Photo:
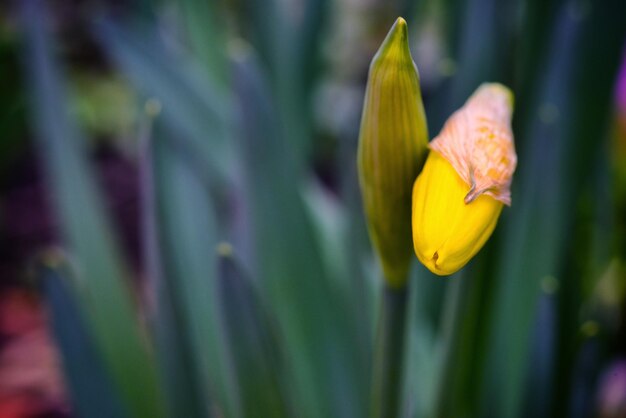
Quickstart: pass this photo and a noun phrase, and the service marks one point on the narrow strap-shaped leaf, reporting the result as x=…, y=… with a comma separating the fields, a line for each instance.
x=250, y=334
x=591, y=129
x=184, y=238
x=92, y=392
x=264, y=25
x=533, y=234
x=190, y=104
x=100, y=279
x=185, y=382
x=289, y=46
x=205, y=32
x=319, y=342
x=558, y=158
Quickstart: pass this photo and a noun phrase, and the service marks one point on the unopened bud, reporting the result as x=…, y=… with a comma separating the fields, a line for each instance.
x=466, y=180
x=392, y=148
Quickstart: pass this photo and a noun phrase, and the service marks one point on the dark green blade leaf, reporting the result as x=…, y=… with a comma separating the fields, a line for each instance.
x=467, y=305
x=264, y=24
x=566, y=121
x=329, y=379
x=289, y=46
x=307, y=49
x=534, y=234
x=92, y=392
x=533, y=53
x=191, y=106
x=183, y=240
x=185, y=382
x=252, y=344
x=100, y=283
x=602, y=41
x=204, y=24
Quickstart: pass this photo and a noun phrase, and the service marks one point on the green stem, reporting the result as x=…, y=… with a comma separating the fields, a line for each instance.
x=389, y=354
x=452, y=321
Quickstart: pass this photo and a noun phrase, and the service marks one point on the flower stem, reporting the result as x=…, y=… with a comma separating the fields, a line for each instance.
x=386, y=393
x=451, y=334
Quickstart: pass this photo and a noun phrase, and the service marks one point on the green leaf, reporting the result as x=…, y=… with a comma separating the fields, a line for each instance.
x=190, y=103
x=183, y=239
x=250, y=334
x=568, y=116
x=462, y=345
x=533, y=236
x=590, y=119
x=264, y=24
x=330, y=377
x=184, y=384
x=289, y=46
x=101, y=276
x=204, y=24
x=92, y=392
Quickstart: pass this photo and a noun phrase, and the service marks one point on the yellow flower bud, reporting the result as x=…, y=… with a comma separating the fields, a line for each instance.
x=392, y=148
x=459, y=195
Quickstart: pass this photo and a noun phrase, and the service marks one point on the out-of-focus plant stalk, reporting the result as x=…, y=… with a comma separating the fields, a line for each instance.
x=389, y=354
x=392, y=149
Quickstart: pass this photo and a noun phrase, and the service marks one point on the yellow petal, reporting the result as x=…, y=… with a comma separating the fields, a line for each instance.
x=392, y=148
x=447, y=232
x=459, y=195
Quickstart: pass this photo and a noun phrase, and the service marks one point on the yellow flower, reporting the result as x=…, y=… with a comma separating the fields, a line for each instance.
x=459, y=195
x=392, y=148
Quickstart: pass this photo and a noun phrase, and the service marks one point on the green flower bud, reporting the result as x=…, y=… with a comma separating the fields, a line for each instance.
x=392, y=148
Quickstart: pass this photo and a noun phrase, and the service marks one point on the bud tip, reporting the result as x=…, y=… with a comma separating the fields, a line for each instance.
x=396, y=43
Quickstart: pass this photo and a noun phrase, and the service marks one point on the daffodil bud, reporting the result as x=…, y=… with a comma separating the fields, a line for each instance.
x=466, y=180
x=392, y=148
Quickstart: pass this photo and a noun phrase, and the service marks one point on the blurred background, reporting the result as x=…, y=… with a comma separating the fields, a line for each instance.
x=181, y=231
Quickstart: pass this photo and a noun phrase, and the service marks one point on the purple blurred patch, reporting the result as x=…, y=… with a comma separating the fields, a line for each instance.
x=612, y=391
x=620, y=88
x=27, y=224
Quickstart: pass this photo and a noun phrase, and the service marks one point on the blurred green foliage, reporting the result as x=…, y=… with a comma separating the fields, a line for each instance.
x=231, y=105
